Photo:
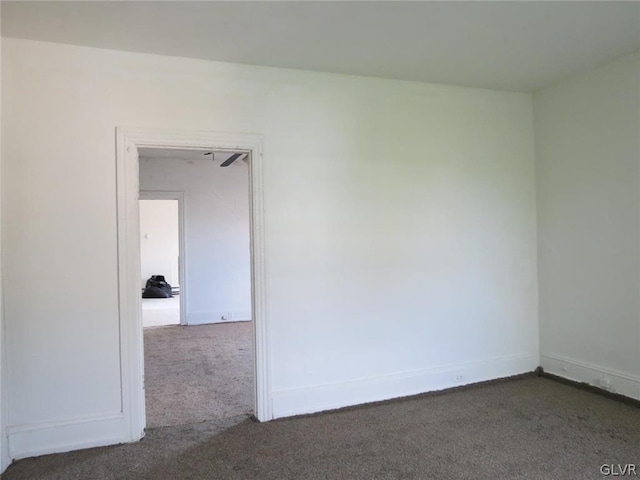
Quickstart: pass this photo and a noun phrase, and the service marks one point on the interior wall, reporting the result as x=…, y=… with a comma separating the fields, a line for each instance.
x=216, y=210
x=159, y=240
x=400, y=228
x=587, y=131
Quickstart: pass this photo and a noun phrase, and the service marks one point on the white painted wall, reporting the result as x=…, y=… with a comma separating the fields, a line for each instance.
x=216, y=210
x=159, y=240
x=588, y=152
x=400, y=229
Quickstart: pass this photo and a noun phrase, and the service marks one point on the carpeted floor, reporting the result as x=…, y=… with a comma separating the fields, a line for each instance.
x=526, y=428
x=198, y=373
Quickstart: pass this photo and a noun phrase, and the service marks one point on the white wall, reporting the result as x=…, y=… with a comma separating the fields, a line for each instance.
x=216, y=211
x=400, y=229
x=159, y=240
x=588, y=152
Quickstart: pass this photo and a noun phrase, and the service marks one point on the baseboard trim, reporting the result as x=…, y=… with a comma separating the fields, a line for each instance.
x=590, y=388
x=217, y=317
x=66, y=435
x=317, y=398
x=603, y=378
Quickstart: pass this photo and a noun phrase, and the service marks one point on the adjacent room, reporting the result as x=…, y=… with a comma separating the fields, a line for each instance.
x=376, y=240
x=160, y=259
x=196, y=278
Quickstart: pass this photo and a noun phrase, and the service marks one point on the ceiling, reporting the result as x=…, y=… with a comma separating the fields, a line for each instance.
x=518, y=46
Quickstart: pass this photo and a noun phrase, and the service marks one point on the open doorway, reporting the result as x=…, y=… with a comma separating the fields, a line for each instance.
x=160, y=246
x=129, y=140
x=195, y=237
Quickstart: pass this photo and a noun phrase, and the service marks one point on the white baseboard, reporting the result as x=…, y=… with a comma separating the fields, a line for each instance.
x=602, y=377
x=204, y=318
x=64, y=436
x=316, y=398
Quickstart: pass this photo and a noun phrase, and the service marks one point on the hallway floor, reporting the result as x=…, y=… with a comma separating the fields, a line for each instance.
x=198, y=373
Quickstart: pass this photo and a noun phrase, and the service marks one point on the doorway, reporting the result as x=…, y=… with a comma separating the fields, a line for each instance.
x=201, y=370
x=132, y=356
x=161, y=244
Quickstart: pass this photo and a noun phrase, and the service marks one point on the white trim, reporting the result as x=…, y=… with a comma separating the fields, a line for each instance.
x=5, y=456
x=182, y=275
x=129, y=303
x=63, y=436
x=129, y=259
x=4, y=450
x=206, y=318
x=64, y=423
x=316, y=398
x=623, y=383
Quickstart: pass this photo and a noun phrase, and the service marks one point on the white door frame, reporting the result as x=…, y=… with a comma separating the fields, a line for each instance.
x=129, y=298
x=182, y=246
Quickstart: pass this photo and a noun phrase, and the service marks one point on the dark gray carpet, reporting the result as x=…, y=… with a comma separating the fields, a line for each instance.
x=197, y=373
x=526, y=428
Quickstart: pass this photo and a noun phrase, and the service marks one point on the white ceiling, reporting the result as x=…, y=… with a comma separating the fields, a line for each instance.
x=501, y=45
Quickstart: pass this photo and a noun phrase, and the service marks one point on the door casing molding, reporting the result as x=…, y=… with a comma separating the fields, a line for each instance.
x=129, y=298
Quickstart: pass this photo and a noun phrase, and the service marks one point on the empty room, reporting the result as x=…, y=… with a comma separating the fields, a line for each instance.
x=375, y=240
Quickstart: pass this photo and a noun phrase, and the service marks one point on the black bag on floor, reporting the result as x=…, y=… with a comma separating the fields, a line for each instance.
x=157, y=287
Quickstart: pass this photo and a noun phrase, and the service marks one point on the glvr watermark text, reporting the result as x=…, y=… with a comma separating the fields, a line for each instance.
x=619, y=469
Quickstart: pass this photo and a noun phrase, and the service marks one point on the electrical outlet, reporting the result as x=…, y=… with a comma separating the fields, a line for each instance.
x=605, y=382
x=226, y=316
x=459, y=377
